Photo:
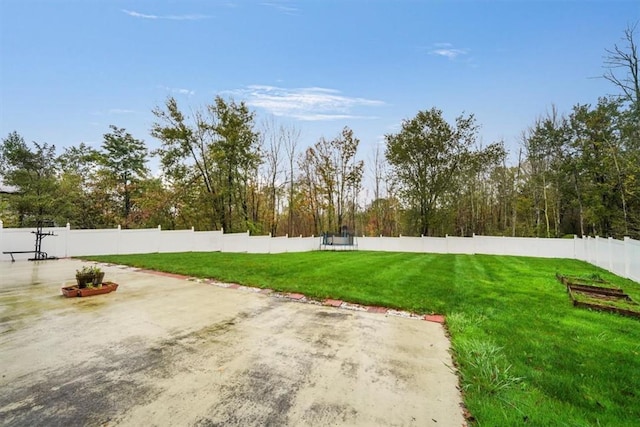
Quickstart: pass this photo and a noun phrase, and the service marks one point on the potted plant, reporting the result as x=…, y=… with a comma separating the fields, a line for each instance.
x=92, y=275
x=89, y=282
x=84, y=276
x=98, y=275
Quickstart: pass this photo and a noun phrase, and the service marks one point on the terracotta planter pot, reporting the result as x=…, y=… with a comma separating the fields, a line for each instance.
x=75, y=291
x=70, y=291
x=104, y=289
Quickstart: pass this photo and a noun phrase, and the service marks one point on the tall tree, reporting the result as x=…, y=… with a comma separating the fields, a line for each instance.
x=79, y=167
x=311, y=192
x=606, y=161
x=186, y=158
x=425, y=157
x=217, y=148
x=474, y=203
x=623, y=68
x=237, y=154
x=123, y=160
x=349, y=172
x=291, y=137
x=33, y=172
x=273, y=140
x=339, y=176
x=377, y=208
x=544, y=145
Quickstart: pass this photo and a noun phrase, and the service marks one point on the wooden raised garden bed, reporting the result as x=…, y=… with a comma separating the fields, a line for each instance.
x=75, y=291
x=601, y=298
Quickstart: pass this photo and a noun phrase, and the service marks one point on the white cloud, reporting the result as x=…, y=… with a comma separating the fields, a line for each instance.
x=120, y=111
x=307, y=104
x=313, y=117
x=178, y=90
x=184, y=91
x=111, y=111
x=447, y=50
x=449, y=53
x=189, y=17
x=139, y=15
x=282, y=7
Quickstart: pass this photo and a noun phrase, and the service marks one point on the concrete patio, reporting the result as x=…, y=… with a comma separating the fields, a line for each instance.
x=168, y=351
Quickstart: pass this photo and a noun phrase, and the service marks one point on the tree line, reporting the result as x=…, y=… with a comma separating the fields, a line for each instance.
x=576, y=173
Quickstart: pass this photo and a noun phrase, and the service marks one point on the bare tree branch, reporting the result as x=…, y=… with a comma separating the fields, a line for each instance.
x=623, y=68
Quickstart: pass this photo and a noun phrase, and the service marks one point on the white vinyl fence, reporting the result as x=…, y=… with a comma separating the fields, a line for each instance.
x=621, y=257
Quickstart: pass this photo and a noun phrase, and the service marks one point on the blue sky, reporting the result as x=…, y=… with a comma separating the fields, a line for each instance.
x=69, y=69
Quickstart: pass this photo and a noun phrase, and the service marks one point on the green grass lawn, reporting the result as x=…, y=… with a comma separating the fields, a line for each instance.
x=526, y=356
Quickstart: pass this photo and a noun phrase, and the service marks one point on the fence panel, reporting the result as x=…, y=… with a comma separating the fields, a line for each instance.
x=92, y=242
x=235, y=242
x=281, y=244
x=410, y=244
x=207, y=241
x=176, y=241
x=434, y=245
x=617, y=256
x=632, y=259
x=258, y=244
x=491, y=245
x=580, y=248
x=303, y=244
x=460, y=245
x=602, y=253
x=383, y=244
x=139, y=241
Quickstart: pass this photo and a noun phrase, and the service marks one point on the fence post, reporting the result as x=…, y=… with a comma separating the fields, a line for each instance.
x=597, y=251
x=66, y=240
x=585, y=244
x=118, y=239
x=159, y=238
x=610, y=253
x=627, y=256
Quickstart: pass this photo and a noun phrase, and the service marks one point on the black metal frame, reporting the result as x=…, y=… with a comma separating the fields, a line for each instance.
x=39, y=254
x=337, y=239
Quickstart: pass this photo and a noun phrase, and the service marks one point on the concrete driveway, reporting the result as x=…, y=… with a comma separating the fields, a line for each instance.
x=167, y=351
